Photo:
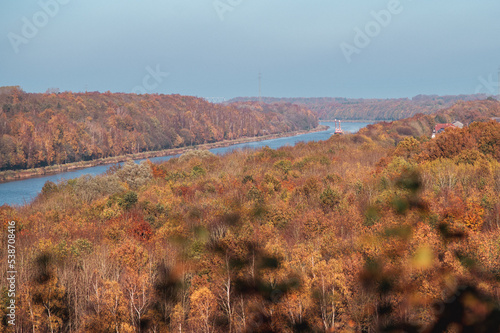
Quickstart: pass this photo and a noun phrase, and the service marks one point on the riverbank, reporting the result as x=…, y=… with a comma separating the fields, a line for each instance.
x=11, y=175
x=356, y=120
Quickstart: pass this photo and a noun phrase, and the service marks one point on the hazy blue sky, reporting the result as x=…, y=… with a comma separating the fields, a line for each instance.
x=217, y=48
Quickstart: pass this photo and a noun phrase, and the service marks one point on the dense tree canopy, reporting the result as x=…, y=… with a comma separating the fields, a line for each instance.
x=37, y=130
x=371, y=109
x=385, y=230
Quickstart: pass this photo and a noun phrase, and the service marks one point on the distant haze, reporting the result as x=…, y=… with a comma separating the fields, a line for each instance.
x=216, y=49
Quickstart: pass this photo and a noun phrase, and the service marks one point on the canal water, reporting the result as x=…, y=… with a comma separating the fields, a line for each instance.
x=20, y=192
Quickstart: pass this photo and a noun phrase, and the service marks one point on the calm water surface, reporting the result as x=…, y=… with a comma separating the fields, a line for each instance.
x=23, y=191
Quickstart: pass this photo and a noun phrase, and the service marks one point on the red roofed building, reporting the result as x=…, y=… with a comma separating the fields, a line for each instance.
x=441, y=127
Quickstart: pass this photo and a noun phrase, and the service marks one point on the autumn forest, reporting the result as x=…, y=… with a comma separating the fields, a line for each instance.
x=38, y=130
x=386, y=230
x=371, y=109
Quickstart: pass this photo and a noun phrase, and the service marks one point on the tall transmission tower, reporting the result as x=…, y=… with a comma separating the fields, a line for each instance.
x=260, y=86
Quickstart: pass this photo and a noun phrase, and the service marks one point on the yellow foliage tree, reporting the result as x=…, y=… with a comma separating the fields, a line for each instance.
x=203, y=306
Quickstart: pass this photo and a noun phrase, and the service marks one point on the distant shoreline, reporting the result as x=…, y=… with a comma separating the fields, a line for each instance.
x=13, y=175
x=353, y=121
